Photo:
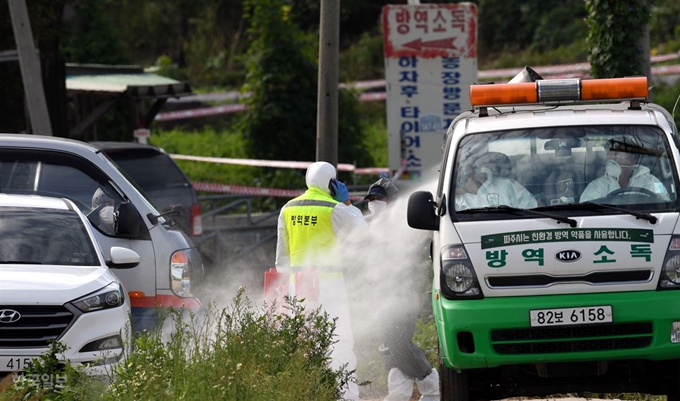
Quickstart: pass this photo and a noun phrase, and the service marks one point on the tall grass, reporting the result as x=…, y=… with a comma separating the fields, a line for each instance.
x=238, y=353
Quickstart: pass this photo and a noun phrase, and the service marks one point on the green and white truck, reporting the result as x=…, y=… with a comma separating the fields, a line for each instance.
x=556, y=244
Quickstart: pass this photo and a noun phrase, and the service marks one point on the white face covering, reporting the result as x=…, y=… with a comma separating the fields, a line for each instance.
x=489, y=174
x=377, y=206
x=106, y=215
x=613, y=169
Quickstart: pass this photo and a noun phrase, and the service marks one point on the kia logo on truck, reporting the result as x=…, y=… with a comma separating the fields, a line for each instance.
x=568, y=256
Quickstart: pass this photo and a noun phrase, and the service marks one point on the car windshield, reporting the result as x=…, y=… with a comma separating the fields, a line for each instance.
x=44, y=236
x=564, y=169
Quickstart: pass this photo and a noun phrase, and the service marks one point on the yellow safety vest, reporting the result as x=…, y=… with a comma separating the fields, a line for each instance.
x=311, y=240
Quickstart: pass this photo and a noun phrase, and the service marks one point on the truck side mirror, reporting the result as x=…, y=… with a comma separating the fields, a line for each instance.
x=130, y=223
x=421, y=211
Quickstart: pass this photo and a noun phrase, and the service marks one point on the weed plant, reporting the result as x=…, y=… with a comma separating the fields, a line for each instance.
x=49, y=378
x=236, y=353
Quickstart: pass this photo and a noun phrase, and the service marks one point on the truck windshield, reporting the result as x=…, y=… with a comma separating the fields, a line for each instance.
x=562, y=168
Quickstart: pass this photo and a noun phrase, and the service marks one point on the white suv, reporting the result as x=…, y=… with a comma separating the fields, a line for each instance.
x=120, y=212
x=55, y=286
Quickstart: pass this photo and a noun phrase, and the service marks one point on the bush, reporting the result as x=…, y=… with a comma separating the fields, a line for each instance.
x=236, y=353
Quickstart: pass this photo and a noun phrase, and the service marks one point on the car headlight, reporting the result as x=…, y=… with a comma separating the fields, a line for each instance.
x=180, y=273
x=111, y=296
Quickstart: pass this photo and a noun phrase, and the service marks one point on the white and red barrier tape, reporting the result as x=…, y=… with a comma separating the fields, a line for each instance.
x=253, y=191
x=278, y=164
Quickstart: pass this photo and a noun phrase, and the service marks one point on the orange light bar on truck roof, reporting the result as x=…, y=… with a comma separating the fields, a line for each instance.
x=559, y=90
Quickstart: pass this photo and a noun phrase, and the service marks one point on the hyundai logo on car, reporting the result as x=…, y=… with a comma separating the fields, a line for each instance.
x=9, y=316
x=568, y=255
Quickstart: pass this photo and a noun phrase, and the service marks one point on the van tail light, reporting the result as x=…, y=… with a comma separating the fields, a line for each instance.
x=196, y=221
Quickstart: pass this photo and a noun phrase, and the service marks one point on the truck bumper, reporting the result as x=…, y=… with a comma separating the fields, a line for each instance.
x=493, y=332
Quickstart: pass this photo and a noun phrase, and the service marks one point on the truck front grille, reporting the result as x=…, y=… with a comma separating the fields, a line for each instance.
x=37, y=326
x=541, y=340
x=592, y=278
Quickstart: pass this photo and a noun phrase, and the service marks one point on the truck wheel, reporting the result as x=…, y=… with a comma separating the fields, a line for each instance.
x=674, y=393
x=453, y=386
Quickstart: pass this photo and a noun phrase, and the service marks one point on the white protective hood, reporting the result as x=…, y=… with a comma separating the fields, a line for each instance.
x=319, y=174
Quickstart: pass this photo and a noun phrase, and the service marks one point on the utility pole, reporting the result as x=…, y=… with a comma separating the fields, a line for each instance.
x=29, y=65
x=327, y=95
x=646, y=59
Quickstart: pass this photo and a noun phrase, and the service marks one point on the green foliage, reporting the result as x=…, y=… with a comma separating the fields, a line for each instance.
x=93, y=38
x=667, y=96
x=208, y=143
x=664, y=26
x=364, y=59
x=51, y=378
x=351, y=138
x=375, y=132
x=211, y=48
x=575, y=52
x=212, y=142
x=236, y=353
x=280, y=122
x=614, y=37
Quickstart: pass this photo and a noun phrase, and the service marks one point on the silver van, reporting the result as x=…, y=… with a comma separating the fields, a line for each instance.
x=121, y=214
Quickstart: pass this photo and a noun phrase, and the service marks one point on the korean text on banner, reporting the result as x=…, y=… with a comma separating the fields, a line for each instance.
x=430, y=62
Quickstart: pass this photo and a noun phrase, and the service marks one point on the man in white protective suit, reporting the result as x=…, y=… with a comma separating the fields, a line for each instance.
x=623, y=171
x=311, y=229
x=483, y=182
x=405, y=362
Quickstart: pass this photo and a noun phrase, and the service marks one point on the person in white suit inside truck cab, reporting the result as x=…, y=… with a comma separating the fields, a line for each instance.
x=483, y=181
x=622, y=170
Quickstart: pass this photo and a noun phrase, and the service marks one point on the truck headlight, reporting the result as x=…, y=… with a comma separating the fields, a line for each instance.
x=458, y=277
x=670, y=275
x=111, y=296
x=180, y=273
x=672, y=269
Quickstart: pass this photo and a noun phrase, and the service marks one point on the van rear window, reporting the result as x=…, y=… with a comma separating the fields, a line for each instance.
x=150, y=169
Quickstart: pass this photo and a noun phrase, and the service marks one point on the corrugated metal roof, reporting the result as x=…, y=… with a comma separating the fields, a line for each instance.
x=130, y=80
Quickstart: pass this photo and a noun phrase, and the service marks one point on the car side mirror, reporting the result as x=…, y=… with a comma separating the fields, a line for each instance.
x=130, y=223
x=123, y=258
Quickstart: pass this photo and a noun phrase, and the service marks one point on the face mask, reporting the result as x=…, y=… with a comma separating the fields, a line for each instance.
x=106, y=215
x=489, y=175
x=377, y=206
x=613, y=169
